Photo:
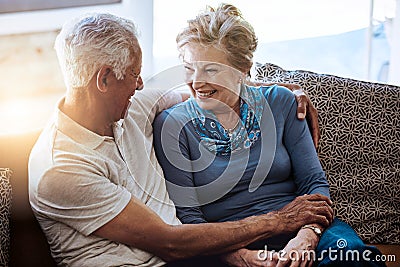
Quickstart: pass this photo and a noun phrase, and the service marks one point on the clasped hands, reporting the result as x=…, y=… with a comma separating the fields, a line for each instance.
x=300, y=251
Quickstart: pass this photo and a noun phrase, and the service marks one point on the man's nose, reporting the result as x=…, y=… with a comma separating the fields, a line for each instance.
x=139, y=83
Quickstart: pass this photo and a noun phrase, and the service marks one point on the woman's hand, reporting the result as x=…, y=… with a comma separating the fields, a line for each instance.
x=300, y=251
x=248, y=258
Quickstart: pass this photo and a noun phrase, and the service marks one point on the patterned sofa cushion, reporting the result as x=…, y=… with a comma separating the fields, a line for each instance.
x=359, y=147
x=5, y=194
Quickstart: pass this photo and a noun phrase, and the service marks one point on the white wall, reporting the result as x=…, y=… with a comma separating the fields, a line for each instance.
x=26, y=50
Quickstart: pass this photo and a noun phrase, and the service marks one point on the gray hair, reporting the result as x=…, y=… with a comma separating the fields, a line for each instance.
x=225, y=29
x=87, y=43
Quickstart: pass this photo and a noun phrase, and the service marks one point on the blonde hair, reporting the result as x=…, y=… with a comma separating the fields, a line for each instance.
x=226, y=29
x=87, y=43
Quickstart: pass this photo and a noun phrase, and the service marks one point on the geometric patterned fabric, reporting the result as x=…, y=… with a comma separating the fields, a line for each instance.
x=359, y=147
x=5, y=212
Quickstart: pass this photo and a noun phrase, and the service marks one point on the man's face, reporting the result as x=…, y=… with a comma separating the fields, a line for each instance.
x=124, y=89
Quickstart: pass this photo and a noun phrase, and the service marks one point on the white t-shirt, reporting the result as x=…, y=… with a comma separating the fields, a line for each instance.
x=79, y=181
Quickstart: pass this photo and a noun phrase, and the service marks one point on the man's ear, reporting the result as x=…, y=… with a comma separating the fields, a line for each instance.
x=101, y=78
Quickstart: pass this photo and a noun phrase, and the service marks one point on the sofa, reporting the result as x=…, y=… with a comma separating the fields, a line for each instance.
x=27, y=245
x=359, y=150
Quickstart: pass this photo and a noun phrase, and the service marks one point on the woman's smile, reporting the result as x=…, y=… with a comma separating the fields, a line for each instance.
x=205, y=94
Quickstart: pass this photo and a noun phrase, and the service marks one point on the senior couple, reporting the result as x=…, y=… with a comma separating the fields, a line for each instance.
x=241, y=171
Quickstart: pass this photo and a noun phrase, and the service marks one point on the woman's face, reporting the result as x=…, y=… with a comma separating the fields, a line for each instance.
x=213, y=82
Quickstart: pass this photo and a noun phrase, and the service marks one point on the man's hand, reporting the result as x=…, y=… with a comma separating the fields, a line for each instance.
x=306, y=209
x=248, y=258
x=300, y=251
x=305, y=108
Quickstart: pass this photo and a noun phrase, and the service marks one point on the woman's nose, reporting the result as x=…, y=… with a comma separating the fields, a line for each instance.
x=198, y=80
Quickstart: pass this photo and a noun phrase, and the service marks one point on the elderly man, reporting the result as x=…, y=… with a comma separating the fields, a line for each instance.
x=95, y=185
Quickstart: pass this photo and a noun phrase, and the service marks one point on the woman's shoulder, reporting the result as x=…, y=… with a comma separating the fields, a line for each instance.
x=173, y=114
x=276, y=91
x=276, y=94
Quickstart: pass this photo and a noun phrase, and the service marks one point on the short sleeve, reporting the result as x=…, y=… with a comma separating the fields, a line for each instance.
x=80, y=196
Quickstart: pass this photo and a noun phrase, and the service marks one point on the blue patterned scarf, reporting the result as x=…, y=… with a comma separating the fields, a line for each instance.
x=214, y=136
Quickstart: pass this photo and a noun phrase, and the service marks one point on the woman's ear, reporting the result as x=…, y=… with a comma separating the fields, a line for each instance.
x=101, y=78
x=243, y=75
x=242, y=78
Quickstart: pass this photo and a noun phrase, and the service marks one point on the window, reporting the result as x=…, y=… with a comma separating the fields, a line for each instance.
x=317, y=35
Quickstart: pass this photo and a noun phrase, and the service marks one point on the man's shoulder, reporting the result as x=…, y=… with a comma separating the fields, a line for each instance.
x=41, y=159
x=51, y=151
x=45, y=142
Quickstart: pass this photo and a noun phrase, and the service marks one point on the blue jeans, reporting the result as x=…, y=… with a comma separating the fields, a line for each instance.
x=341, y=246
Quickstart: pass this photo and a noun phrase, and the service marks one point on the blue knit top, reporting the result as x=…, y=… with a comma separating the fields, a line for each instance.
x=281, y=165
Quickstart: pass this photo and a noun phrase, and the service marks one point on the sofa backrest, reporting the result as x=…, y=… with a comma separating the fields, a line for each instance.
x=359, y=148
x=5, y=213
x=28, y=244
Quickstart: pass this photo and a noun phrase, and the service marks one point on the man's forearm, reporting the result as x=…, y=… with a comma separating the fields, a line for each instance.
x=140, y=227
x=214, y=238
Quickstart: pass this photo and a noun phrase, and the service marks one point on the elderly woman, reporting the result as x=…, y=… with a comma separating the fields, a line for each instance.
x=232, y=150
